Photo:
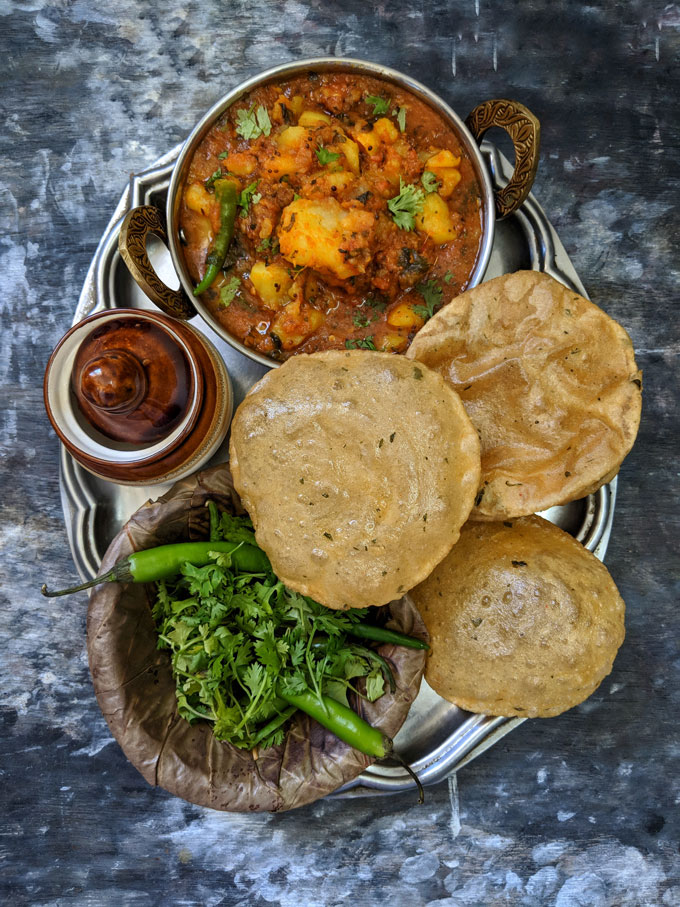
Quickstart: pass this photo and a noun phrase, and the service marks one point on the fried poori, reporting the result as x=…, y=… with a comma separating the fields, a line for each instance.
x=523, y=620
x=550, y=383
x=358, y=469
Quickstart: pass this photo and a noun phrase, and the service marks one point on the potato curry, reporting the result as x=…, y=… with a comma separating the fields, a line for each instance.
x=358, y=215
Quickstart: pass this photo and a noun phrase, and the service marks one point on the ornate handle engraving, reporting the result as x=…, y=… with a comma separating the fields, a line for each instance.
x=134, y=230
x=525, y=132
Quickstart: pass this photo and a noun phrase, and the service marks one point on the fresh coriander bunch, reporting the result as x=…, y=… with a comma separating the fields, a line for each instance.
x=241, y=642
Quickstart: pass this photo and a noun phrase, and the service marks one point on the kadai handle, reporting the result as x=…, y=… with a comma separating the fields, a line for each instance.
x=137, y=225
x=525, y=131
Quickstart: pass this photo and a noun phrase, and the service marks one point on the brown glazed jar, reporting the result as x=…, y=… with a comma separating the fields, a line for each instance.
x=137, y=397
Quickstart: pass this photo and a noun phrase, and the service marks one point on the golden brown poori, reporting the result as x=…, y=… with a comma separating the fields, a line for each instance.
x=523, y=620
x=550, y=383
x=358, y=469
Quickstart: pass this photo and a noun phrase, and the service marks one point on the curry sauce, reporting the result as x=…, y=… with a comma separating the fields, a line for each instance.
x=359, y=215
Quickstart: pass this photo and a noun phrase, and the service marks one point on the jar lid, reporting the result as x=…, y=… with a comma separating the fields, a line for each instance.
x=123, y=387
x=132, y=380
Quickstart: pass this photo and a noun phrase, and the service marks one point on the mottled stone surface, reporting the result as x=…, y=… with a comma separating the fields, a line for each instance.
x=578, y=810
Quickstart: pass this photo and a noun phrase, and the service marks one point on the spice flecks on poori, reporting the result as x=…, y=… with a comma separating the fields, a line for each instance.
x=548, y=379
x=358, y=470
x=523, y=620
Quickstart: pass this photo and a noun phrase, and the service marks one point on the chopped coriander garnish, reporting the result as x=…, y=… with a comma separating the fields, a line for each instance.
x=229, y=291
x=380, y=105
x=401, y=118
x=362, y=321
x=365, y=343
x=429, y=181
x=264, y=244
x=222, y=155
x=432, y=294
x=325, y=156
x=406, y=205
x=448, y=277
x=247, y=196
x=253, y=123
x=213, y=176
x=376, y=304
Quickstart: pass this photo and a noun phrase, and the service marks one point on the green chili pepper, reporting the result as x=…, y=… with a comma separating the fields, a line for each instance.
x=340, y=720
x=350, y=728
x=166, y=560
x=382, y=634
x=227, y=196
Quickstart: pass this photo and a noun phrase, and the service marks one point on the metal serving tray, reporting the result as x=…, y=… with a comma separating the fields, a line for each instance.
x=437, y=737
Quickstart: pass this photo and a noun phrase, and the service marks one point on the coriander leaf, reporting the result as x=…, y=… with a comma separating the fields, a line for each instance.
x=380, y=105
x=228, y=292
x=336, y=690
x=295, y=683
x=448, y=277
x=429, y=181
x=247, y=196
x=325, y=156
x=432, y=294
x=213, y=176
x=297, y=652
x=362, y=321
x=263, y=120
x=406, y=205
x=253, y=123
x=376, y=304
x=355, y=666
x=401, y=118
x=375, y=685
x=222, y=155
x=365, y=343
x=254, y=677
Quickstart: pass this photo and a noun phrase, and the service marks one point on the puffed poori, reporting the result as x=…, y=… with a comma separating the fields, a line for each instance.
x=523, y=620
x=358, y=469
x=548, y=380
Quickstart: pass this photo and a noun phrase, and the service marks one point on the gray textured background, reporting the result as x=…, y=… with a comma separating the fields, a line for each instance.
x=578, y=810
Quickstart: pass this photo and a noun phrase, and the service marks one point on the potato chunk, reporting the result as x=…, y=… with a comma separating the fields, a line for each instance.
x=350, y=150
x=295, y=323
x=394, y=343
x=271, y=283
x=198, y=199
x=445, y=166
x=327, y=236
x=292, y=137
x=435, y=219
x=314, y=118
x=384, y=132
x=442, y=159
x=403, y=316
x=241, y=163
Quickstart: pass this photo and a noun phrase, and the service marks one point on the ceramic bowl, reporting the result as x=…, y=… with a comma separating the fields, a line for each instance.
x=193, y=434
